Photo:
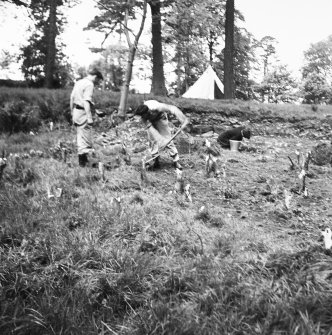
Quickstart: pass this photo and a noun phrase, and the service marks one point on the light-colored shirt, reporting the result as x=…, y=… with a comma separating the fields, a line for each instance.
x=154, y=104
x=82, y=91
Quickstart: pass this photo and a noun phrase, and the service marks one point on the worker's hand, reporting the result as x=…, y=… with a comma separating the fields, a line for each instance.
x=100, y=113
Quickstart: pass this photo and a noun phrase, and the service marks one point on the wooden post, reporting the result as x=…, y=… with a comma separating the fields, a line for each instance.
x=3, y=163
x=101, y=170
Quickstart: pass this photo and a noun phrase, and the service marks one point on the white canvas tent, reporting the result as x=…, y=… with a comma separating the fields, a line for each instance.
x=208, y=86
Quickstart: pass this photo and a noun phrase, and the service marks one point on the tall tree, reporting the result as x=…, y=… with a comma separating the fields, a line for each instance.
x=244, y=61
x=158, y=77
x=317, y=72
x=193, y=31
x=268, y=46
x=278, y=86
x=112, y=19
x=115, y=16
x=212, y=24
x=229, y=51
x=43, y=61
x=318, y=59
x=51, y=33
x=131, y=56
x=316, y=89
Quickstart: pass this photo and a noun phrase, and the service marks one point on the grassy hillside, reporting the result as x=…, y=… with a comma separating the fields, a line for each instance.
x=85, y=255
x=23, y=109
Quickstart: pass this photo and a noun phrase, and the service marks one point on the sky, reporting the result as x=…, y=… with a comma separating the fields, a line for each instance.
x=295, y=24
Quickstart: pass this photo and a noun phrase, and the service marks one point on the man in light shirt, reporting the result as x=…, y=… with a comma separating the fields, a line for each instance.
x=155, y=116
x=81, y=104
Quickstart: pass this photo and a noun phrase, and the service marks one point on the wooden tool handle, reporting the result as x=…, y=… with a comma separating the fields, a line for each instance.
x=164, y=146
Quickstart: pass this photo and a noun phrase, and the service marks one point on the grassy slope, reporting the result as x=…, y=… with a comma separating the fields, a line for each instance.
x=246, y=265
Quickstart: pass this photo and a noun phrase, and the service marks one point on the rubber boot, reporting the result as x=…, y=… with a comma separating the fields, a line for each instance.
x=153, y=165
x=156, y=163
x=177, y=165
x=83, y=160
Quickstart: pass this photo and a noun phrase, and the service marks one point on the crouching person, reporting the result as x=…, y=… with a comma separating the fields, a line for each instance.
x=155, y=116
x=80, y=106
x=235, y=134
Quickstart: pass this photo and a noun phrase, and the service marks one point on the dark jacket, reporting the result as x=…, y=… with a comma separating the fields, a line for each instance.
x=232, y=134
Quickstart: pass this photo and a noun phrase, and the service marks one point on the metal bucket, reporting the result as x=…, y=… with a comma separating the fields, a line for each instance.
x=234, y=145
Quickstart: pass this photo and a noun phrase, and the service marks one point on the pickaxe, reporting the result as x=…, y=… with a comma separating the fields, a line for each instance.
x=164, y=146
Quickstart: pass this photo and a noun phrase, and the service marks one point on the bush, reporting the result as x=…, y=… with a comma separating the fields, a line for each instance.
x=19, y=116
x=54, y=106
x=26, y=109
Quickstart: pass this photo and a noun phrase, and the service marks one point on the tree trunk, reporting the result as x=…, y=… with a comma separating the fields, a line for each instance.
x=158, y=78
x=51, y=48
x=211, y=51
x=178, y=70
x=125, y=87
x=229, y=51
x=265, y=65
x=132, y=51
x=211, y=45
x=186, y=70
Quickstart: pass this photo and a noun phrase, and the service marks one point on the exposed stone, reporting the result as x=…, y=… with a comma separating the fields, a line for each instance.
x=322, y=154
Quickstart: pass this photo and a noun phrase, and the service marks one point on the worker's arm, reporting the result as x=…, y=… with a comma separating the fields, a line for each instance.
x=87, y=102
x=162, y=107
x=71, y=103
x=178, y=114
x=87, y=108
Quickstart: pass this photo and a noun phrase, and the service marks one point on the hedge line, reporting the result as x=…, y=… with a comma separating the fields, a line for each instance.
x=25, y=109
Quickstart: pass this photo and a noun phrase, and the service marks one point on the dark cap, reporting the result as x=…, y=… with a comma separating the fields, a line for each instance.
x=141, y=110
x=95, y=72
x=246, y=133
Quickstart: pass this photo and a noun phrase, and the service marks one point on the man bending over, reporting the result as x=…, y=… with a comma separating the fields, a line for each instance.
x=235, y=134
x=155, y=117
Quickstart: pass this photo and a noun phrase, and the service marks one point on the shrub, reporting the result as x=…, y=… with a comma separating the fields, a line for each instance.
x=54, y=106
x=19, y=116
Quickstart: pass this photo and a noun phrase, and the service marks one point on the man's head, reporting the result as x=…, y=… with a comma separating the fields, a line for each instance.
x=246, y=133
x=95, y=75
x=141, y=110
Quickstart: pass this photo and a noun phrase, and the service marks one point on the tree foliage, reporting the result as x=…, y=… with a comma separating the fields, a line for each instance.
x=158, y=77
x=244, y=61
x=111, y=17
x=43, y=60
x=115, y=16
x=317, y=72
x=278, y=86
x=6, y=58
x=268, y=49
x=112, y=63
x=316, y=89
x=193, y=32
